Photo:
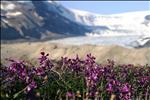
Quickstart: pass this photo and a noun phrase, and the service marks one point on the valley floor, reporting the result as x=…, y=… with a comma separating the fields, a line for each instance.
x=119, y=54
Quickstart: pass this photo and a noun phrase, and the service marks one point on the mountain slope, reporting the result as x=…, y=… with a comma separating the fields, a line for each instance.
x=38, y=20
x=131, y=23
x=35, y=20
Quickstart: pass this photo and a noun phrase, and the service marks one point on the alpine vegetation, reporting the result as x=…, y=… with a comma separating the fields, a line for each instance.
x=74, y=79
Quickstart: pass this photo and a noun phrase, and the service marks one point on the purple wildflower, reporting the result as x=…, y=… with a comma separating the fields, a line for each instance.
x=39, y=71
x=45, y=62
x=31, y=86
x=70, y=94
x=125, y=88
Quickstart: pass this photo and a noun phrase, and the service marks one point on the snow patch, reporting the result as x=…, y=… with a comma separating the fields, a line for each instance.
x=83, y=13
x=8, y=7
x=14, y=13
x=130, y=23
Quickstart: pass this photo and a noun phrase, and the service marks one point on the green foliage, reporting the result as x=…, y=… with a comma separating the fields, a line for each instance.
x=74, y=79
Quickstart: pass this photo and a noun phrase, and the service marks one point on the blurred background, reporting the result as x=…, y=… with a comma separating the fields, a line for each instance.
x=125, y=24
